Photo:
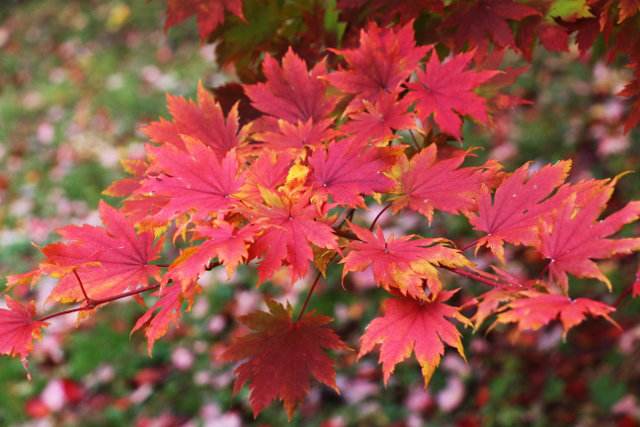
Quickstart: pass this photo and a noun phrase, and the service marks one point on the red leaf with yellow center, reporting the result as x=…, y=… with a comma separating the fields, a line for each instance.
x=409, y=326
x=401, y=263
x=108, y=260
x=537, y=310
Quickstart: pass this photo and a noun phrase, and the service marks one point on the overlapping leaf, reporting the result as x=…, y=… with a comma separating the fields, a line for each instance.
x=517, y=206
x=382, y=62
x=203, y=121
x=279, y=356
x=573, y=237
x=192, y=181
x=18, y=328
x=409, y=326
x=476, y=22
x=402, y=263
x=347, y=170
x=108, y=260
x=427, y=183
x=290, y=229
x=209, y=13
x=536, y=310
x=446, y=90
x=166, y=310
x=292, y=92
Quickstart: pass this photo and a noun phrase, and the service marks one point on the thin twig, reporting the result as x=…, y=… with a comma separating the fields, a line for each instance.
x=308, y=297
x=97, y=302
x=375, y=220
x=474, y=276
x=88, y=301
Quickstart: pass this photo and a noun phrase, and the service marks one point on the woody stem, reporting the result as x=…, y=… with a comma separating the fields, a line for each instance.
x=375, y=220
x=88, y=301
x=93, y=303
x=308, y=297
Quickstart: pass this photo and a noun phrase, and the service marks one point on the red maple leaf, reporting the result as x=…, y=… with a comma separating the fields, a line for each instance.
x=166, y=310
x=414, y=326
x=107, y=259
x=18, y=328
x=295, y=137
x=382, y=62
x=126, y=186
x=223, y=241
x=537, y=309
x=292, y=92
x=192, y=181
x=476, y=22
x=517, y=206
x=280, y=355
x=428, y=183
x=378, y=120
x=291, y=226
x=573, y=237
x=203, y=121
x=446, y=90
x=636, y=284
x=209, y=13
x=346, y=170
x=401, y=263
x=268, y=171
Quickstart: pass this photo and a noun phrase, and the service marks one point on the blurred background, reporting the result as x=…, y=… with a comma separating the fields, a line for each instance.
x=77, y=78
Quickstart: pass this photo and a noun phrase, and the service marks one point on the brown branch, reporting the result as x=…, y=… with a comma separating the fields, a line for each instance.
x=97, y=302
x=474, y=276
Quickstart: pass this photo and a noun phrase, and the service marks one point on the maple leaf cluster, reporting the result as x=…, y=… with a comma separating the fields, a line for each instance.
x=286, y=190
x=480, y=26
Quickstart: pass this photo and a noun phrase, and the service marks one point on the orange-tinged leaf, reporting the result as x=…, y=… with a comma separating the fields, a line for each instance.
x=166, y=310
x=203, y=121
x=290, y=229
x=428, y=183
x=378, y=120
x=109, y=259
x=573, y=237
x=18, y=328
x=401, y=263
x=192, y=181
x=224, y=242
x=279, y=356
x=409, y=326
x=517, y=206
x=536, y=310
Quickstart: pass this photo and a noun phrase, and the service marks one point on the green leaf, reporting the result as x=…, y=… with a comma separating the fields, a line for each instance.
x=570, y=9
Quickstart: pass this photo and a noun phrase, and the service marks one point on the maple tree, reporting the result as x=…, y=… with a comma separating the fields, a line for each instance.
x=284, y=188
